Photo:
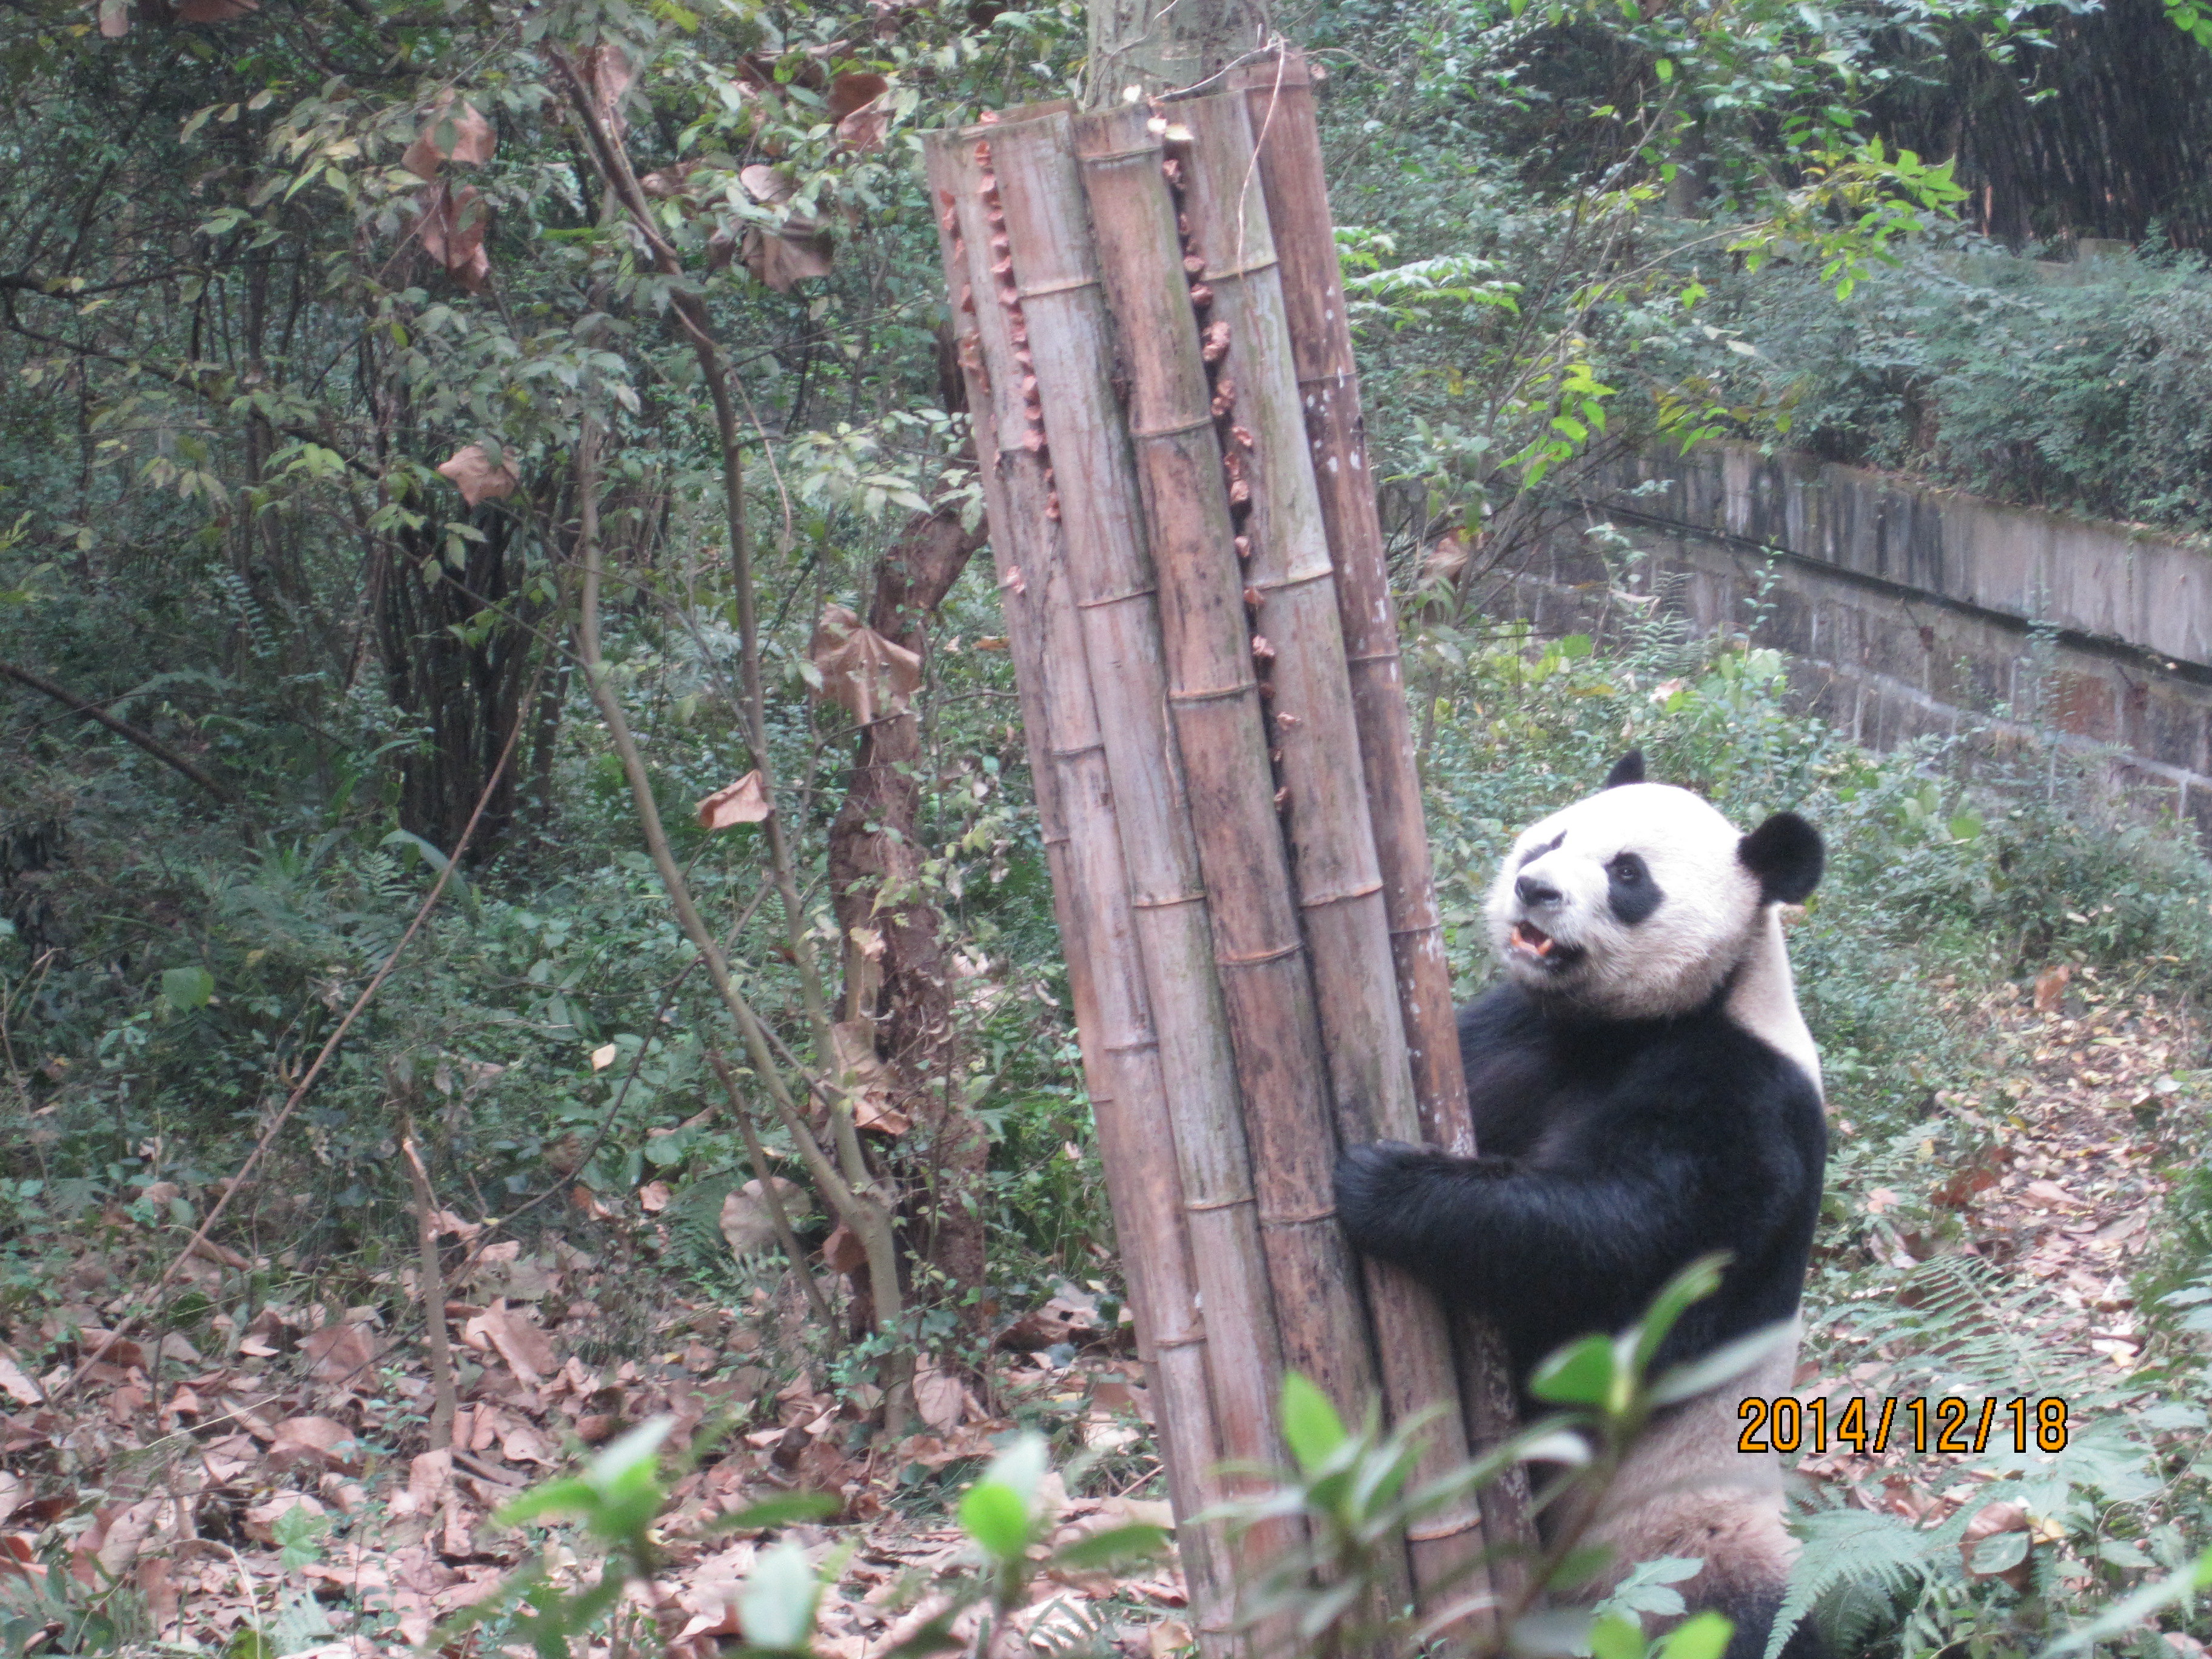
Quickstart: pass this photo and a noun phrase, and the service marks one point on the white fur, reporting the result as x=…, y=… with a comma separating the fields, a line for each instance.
x=1763, y=999
x=1685, y=1491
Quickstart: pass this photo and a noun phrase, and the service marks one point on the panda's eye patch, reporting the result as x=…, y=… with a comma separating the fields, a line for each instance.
x=1630, y=892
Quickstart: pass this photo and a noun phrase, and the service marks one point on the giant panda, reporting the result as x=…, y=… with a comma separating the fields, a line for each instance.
x=1644, y=1091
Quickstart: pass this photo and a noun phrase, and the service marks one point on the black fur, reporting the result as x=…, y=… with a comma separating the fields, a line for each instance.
x=1786, y=854
x=1630, y=893
x=1614, y=1152
x=1629, y=769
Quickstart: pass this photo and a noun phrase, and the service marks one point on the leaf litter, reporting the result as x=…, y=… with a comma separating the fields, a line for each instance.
x=269, y=1475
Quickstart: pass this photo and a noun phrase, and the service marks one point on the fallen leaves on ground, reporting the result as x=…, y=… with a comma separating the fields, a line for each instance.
x=2075, y=1125
x=273, y=1468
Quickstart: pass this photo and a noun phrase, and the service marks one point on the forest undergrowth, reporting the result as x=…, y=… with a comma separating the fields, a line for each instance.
x=2005, y=984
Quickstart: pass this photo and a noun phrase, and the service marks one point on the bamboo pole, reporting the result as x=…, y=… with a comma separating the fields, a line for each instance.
x=1122, y=1053
x=1292, y=593
x=1119, y=642
x=1291, y=1151
x=1278, y=95
x=1278, y=92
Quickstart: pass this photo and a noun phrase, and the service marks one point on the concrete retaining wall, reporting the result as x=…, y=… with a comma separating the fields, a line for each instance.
x=1913, y=610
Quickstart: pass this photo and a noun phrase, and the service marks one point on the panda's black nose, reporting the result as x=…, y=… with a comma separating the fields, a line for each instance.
x=1532, y=892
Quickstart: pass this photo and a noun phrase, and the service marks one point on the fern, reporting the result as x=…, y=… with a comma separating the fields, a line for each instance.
x=1861, y=1550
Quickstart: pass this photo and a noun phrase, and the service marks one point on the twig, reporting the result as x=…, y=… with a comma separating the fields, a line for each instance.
x=122, y=728
x=771, y=1200
x=447, y=1403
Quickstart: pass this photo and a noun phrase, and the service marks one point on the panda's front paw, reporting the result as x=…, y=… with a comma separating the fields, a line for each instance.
x=1371, y=1188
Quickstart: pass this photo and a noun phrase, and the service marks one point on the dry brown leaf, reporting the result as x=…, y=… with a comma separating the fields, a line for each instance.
x=451, y=226
x=784, y=258
x=1445, y=559
x=318, y=1443
x=114, y=18
x=472, y=473
x=338, y=1353
x=862, y=1071
x=2050, y=986
x=854, y=90
x=528, y=1353
x=746, y=1222
x=655, y=1196
x=939, y=1398
x=858, y=108
x=16, y=1383
x=518, y=1442
x=766, y=185
x=2050, y=1195
x=452, y=131
x=862, y=672
x=744, y=801
x=843, y=1251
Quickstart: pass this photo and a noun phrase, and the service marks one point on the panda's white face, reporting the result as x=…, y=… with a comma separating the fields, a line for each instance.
x=1634, y=903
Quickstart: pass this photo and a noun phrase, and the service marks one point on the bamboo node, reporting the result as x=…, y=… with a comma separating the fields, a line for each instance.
x=1389, y=655
x=1166, y=901
x=1196, y=1206
x=1343, y=895
x=1305, y=1219
x=1250, y=268
x=1451, y=1526
x=1065, y=285
x=1144, y=434
x=1218, y=693
x=1104, y=600
x=1257, y=958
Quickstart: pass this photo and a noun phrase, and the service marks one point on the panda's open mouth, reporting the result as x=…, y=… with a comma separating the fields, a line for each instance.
x=1533, y=944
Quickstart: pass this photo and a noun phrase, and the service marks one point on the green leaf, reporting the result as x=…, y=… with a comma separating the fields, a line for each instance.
x=1580, y=1374
x=1615, y=1638
x=776, y=1605
x=1111, y=1548
x=186, y=988
x=994, y=1515
x=619, y=1464
x=1310, y=1423
x=1730, y=1359
x=569, y=1497
x=249, y=1643
x=1693, y=1284
x=1702, y=1636
x=781, y=1512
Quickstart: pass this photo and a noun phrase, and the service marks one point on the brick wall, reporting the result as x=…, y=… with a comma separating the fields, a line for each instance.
x=1911, y=610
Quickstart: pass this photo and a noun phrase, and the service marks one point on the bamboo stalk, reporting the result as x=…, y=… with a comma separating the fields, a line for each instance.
x=1278, y=95
x=1290, y=587
x=1123, y=1063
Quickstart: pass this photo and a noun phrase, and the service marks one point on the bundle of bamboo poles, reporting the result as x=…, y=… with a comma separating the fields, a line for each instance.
x=1148, y=313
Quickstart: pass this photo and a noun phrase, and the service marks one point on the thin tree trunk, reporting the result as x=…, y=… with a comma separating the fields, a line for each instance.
x=875, y=861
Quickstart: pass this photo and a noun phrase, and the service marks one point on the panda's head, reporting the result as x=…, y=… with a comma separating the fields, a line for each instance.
x=1636, y=903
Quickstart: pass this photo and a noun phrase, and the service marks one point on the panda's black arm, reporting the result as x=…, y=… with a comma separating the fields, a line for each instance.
x=1496, y=1234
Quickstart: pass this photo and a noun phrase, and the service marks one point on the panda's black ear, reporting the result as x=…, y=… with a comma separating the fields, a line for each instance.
x=1629, y=769
x=1786, y=854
